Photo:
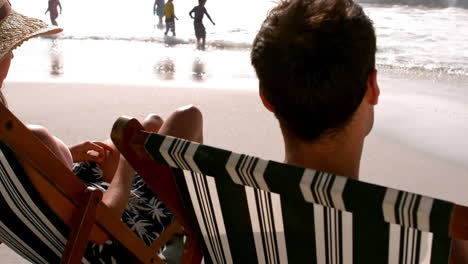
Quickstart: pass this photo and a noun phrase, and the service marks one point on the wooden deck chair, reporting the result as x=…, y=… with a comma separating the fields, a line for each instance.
x=248, y=210
x=48, y=215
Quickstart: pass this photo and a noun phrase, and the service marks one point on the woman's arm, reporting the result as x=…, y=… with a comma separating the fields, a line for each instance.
x=91, y=151
x=116, y=197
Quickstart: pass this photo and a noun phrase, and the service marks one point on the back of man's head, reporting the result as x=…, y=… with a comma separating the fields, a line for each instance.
x=313, y=59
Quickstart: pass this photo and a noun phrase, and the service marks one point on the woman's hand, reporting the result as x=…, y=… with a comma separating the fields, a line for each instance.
x=90, y=151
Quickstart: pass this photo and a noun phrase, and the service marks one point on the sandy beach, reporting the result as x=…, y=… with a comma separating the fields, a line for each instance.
x=235, y=119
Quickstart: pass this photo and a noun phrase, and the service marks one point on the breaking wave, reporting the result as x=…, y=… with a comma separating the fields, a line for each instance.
x=423, y=3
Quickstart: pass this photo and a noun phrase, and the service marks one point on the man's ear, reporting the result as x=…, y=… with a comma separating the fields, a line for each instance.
x=373, y=90
x=265, y=101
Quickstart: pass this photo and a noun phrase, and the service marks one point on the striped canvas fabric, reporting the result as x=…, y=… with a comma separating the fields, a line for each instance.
x=249, y=210
x=31, y=229
x=27, y=225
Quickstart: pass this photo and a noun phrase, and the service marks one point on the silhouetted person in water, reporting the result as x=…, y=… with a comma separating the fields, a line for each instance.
x=169, y=13
x=158, y=10
x=200, y=32
x=52, y=9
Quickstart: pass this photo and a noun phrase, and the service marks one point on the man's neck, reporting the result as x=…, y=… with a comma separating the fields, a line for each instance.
x=340, y=156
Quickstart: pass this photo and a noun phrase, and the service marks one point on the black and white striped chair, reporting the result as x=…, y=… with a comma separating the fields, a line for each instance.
x=248, y=210
x=47, y=215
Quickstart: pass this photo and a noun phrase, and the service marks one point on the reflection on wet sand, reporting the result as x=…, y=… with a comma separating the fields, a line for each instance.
x=165, y=68
x=56, y=59
x=198, y=70
x=160, y=26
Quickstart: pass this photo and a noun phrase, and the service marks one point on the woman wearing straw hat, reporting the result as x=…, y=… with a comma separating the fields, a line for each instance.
x=96, y=163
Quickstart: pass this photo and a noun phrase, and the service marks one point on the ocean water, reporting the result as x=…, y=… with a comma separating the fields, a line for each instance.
x=413, y=35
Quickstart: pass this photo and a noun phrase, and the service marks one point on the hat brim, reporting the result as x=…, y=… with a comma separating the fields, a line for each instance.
x=16, y=29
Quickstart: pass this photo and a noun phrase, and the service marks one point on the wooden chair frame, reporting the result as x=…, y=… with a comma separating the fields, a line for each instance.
x=125, y=135
x=77, y=206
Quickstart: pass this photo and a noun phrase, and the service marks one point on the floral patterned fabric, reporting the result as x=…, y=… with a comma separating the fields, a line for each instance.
x=145, y=215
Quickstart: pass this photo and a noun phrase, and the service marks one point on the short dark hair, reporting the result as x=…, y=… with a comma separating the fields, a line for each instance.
x=313, y=59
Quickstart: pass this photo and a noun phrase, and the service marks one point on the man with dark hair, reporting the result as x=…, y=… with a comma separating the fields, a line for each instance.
x=315, y=61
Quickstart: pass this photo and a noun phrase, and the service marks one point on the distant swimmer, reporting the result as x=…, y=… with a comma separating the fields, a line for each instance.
x=53, y=11
x=200, y=32
x=158, y=10
x=169, y=12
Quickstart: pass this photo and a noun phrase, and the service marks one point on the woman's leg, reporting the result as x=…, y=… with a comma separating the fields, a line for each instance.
x=151, y=123
x=54, y=144
x=186, y=122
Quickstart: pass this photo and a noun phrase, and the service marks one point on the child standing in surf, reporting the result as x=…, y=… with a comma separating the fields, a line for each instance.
x=52, y=8
x=200, y=32
x=158, y=10
x=170, y=17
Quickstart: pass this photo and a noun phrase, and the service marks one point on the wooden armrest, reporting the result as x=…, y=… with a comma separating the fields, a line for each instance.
x=459, y=223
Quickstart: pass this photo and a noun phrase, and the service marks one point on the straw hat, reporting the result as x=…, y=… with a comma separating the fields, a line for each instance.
x=16, y=28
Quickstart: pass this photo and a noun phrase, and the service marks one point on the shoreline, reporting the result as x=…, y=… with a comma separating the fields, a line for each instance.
x=141, y=62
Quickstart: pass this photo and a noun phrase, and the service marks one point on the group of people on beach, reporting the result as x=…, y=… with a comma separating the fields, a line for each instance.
x=162, y=9
x=315, y=61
